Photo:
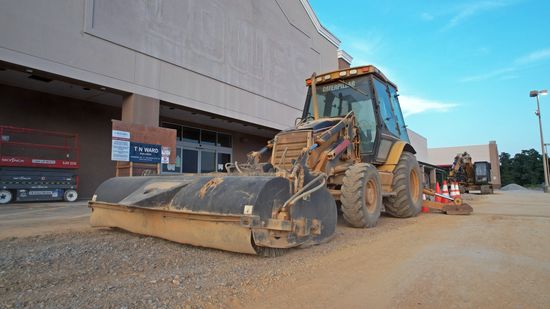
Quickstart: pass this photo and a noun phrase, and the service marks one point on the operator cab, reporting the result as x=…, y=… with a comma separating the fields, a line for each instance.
x=372, y=98
x=482, y=172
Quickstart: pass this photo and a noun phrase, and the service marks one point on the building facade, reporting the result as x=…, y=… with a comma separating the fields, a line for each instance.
x=444, y=156
x=226, y=75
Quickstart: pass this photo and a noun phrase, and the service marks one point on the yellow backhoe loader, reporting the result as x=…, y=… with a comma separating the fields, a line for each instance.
x=350, y=149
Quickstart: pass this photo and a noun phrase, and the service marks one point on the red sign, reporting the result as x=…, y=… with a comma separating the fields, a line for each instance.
x=33, y=162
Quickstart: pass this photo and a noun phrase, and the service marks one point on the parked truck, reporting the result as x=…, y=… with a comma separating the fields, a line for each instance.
x=38, y=165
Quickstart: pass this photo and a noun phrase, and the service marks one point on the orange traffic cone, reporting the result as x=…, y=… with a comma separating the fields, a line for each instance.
x=457, y=194
x=438, y=191
x=424, y=208
x=445, y=191
x=453, y=189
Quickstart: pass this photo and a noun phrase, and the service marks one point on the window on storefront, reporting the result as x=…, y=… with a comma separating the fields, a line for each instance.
x=224, y=140
x=190, y=135
x=199, y=151
x=176, y=127
x=208, y=137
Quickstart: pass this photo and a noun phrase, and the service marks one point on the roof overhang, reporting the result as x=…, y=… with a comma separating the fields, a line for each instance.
x=342, y=54
x=322, y=30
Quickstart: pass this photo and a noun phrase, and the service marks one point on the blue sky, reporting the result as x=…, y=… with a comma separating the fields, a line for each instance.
x=464, y=68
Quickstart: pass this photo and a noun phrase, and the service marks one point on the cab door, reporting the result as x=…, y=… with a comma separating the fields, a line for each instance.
x=389, y=127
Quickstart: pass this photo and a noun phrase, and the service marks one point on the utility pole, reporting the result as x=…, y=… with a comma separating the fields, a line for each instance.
x=536, y=93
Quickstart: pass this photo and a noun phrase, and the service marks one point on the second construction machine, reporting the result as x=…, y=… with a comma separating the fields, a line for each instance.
x=471, y=176
x=350, y=149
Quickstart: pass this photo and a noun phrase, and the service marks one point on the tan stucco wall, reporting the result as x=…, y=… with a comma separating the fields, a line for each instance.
x=420, y=144
x=446, y=155
x=240, y=59
x=488, y=152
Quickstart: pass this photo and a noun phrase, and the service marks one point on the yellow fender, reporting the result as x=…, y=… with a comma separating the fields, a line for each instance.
x=394, y=155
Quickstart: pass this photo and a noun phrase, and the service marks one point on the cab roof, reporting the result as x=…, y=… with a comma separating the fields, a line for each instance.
x=350, y=73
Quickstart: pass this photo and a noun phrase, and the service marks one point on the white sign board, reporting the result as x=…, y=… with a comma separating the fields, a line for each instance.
x=120, y=150
x=165, y=159
x=117, y=134
x=120, y=147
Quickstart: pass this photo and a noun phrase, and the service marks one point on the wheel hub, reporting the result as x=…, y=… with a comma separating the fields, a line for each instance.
x=414, y=182
x=370, y=195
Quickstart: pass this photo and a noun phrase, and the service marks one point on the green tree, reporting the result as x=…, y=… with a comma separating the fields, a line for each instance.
x=506, y=176
x=527, y=168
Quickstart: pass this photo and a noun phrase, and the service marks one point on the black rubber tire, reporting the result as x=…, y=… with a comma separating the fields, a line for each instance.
x=360, y=210
x=486, y=189
x=407, y=201
x=6, y=196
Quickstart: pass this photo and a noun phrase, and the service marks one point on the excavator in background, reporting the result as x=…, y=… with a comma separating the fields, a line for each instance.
x=349, y=150
x=472, y=177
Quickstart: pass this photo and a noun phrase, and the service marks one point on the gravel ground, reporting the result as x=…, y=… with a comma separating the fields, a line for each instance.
x=498, y=255
x=110, y=268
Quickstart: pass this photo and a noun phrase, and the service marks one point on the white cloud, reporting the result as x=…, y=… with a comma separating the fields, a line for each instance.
x=538, y=55
x=426, y=16
x=474, y=8
x=365, y=49
x=414, y=105
x=508, y=77
x=367, y=45
x=488, y=75
x=483, y=50
x=517, y=65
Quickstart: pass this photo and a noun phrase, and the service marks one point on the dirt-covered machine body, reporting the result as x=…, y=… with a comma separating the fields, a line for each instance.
x=350, y=150
x=233, y=213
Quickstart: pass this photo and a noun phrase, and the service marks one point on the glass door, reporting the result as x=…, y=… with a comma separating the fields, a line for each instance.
x=208, y=161
x=197, y=160
x=190, y=160
x=173, y=168
x=199, y=150
x=223, y=158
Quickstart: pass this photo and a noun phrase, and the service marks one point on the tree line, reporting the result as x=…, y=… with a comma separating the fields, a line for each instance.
x=525, y=168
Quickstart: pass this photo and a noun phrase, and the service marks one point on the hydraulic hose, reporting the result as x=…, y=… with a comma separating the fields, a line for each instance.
x=300, y=193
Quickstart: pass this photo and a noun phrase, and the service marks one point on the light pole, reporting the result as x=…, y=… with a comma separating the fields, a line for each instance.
x=537, y=93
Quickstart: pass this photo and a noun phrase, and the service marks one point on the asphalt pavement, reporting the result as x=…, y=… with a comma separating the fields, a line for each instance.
x=27, y=219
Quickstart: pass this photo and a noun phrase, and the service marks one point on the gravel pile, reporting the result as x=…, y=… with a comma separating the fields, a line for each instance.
x=110, y=268
x=513, y=187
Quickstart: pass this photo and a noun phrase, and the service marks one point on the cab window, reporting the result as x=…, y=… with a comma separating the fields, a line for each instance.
x=386, y=111
x=341, y=97
x=397, y=111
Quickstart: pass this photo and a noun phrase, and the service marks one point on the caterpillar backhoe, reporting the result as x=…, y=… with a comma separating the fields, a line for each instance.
x=349, y=150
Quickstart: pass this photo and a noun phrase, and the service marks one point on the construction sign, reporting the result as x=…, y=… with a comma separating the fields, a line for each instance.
x=145, y=153
x=139, y=149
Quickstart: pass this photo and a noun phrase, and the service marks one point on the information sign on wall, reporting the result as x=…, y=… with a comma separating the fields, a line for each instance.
x=120, y=147
x=145, y=153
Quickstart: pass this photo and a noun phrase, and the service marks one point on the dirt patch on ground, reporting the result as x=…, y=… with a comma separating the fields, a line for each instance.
x=113, y=268
x=497, y=257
